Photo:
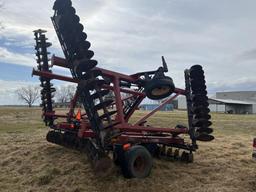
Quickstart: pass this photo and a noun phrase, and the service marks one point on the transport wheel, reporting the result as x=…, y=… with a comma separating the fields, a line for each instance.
x=159, y=88
x=138, y=162
x=152, y=148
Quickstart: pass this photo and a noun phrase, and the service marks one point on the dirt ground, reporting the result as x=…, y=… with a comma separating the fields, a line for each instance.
x=29, y=163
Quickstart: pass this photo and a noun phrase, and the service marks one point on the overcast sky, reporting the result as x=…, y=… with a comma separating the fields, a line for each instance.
x=131, y=35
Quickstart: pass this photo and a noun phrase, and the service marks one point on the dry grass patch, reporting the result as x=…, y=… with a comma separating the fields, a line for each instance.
x=29, y=163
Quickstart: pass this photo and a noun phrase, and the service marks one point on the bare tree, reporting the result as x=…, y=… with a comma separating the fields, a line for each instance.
x=65, y=94
x=61, y=95
x=29, y=94
x=71, y=90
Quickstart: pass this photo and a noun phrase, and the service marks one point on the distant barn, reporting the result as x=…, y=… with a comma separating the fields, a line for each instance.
x=237, y=102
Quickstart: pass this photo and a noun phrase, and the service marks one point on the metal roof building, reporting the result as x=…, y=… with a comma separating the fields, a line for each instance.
x=238, y=102
x=232, y=106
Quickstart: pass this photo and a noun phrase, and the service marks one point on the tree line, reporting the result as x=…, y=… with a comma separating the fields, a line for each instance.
x=32, y=94
x=62, y=97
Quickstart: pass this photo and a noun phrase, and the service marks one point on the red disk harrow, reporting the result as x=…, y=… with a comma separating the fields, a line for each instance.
x=104, y=127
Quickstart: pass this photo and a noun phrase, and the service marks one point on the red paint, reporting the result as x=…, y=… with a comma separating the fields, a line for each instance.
x=130, y=133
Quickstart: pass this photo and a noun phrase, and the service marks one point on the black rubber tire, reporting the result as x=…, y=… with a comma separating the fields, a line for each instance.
x=152, y=148
x=153, y=84
x=138, y=162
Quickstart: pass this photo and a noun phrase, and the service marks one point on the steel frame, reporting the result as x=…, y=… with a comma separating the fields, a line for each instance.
x=130, y=133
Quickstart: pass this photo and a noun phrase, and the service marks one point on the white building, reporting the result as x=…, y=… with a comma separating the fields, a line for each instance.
x=239, y=102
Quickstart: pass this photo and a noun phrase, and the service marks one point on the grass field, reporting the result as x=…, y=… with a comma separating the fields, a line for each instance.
x=29, y=163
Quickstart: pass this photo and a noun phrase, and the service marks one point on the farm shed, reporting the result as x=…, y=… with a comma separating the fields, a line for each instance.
x=232, y=106
x=238, y=102
x=225, y=106
x=249, y=96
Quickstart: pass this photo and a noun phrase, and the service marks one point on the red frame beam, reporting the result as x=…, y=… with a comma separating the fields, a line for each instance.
x=71, y=80
x=157, y=109
x=123, y=139
x=61, y=62
x=137, y=128
x=53, y=76
x=129, y=133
